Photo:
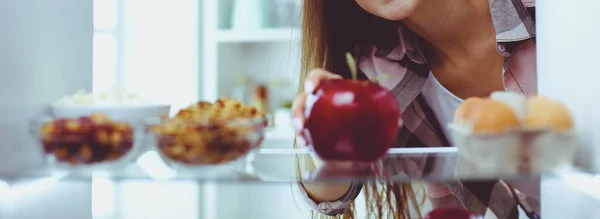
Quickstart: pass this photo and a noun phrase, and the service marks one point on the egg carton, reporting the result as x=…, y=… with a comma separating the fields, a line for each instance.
x=513, y=153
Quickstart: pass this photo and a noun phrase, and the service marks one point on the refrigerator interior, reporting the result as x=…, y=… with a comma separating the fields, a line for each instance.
x=46, y=52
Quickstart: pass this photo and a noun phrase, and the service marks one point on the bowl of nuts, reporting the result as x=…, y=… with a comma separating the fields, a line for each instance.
x=210, y=137
x=88, y=141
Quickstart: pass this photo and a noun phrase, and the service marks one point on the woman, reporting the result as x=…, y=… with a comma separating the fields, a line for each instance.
x=436, y=53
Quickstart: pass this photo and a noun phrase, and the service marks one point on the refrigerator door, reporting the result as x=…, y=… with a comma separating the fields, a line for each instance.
x=567, y=63
x=46, y=52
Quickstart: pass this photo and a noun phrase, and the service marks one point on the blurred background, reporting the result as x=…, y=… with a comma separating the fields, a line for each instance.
x=181, y=51
x=175, y=52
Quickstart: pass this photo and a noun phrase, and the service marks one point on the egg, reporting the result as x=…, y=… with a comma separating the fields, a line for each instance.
x=465, y=108
x=493, y=117
x=485, y=116
x=516, y=101
x=545, y=113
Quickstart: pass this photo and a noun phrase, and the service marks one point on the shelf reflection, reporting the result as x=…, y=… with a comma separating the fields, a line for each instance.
x=281, y=165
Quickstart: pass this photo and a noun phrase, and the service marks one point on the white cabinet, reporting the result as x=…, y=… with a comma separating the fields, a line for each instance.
x=266, y=54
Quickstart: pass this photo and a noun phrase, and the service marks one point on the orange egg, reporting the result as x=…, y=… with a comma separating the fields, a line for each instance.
x=465, y=108
x=545, y=113
x=492, y=117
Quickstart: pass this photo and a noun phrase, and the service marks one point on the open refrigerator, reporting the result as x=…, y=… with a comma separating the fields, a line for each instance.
x=46, y=53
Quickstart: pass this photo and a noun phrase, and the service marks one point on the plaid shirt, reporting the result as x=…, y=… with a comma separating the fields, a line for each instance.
x=514, y=22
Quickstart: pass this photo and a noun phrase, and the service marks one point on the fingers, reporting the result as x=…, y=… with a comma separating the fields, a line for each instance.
x=315, y=76
x=311, y=82
x=298, y=118
x=298, y=107
x=298, y=111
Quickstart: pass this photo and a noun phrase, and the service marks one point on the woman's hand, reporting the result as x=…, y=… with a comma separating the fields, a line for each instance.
x=298, y=107
x=318, y=191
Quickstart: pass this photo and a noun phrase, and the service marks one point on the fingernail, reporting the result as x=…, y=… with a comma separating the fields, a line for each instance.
x=309, y=87
x=300, y=141
x=307, y=137
x=298, y=124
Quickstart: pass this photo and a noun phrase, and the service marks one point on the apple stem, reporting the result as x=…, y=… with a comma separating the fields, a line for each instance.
x=352, y=65
x=379, y=77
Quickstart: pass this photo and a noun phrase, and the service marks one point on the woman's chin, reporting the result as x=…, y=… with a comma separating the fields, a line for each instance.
x=399, y=9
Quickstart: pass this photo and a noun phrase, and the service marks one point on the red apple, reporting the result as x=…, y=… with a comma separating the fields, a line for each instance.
x=451, y=213
x=351, y=120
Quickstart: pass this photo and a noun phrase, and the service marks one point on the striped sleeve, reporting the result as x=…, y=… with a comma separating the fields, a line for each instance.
x=336, y=207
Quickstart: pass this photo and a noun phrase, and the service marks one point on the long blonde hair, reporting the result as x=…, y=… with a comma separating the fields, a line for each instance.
x=329, y=30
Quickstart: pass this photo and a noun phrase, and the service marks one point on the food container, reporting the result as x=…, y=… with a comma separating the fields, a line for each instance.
x=88, y=142
x=487, y=155
x=512, y=153
x=134, y=113
x=549, y=151
x=510, y=134
x=208, y=147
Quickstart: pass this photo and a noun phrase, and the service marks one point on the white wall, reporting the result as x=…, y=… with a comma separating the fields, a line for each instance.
x=160, y=61
x=46, y=52
x=568, y=64
x=161, y=50
x=567, y=70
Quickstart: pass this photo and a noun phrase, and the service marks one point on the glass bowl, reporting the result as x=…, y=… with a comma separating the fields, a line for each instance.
x=208, y=147
x=88, y=142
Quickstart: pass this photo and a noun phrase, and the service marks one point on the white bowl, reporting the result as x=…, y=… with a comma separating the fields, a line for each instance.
x=131, y=113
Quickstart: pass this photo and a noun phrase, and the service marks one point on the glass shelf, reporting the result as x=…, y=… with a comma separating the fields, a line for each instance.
x=280, y=165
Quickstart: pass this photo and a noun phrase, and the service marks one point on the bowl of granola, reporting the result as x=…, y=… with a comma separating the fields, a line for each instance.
x=87, y=141
x=209, y=136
